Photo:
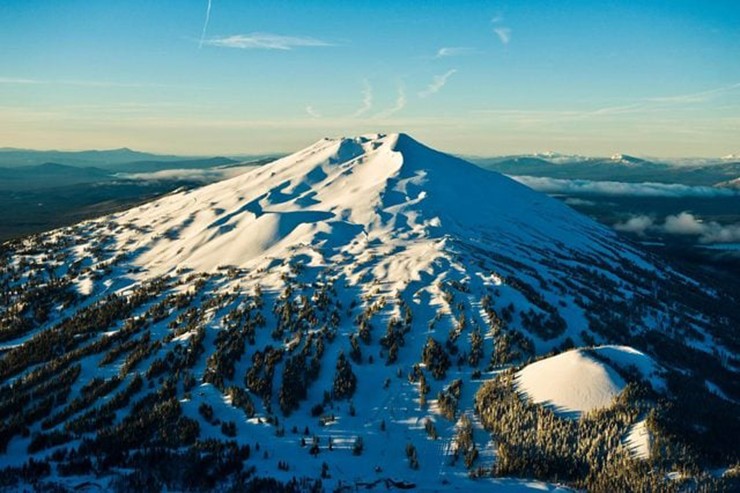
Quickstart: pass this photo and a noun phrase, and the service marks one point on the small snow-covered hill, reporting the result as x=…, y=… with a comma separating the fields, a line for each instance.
x=582, y=380
x=332, y=315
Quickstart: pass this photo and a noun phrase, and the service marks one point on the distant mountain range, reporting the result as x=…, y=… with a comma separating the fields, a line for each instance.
x=77, y=185
x=11, y=157
x=619, y=167
x=118, y=160
x=49, y=174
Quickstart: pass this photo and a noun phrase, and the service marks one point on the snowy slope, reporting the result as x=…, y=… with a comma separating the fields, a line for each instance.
x=344, y=191
x=392, y=234
x=576, y=382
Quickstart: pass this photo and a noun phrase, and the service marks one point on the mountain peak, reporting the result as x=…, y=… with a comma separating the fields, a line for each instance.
x=335, y=192
x=626, y=159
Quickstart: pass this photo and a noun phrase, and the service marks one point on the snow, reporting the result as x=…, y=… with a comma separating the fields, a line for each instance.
x=582, y=380
x=638, y=440
x=85, y=286
x=572, y=383
x=717, y=391
x=336, y=193
x=627, y=357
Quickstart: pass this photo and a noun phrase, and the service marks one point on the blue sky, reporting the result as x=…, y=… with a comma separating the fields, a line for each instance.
x=655, y=78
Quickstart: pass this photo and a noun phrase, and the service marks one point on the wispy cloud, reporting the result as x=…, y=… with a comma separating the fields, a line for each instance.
x=205, y=25
x=400, y=104
x=19, y=81
x=312, y=112
x=527, y=118
x=367, y=99
x=503, y=33
x=695, y=97
x=81, y=83
x=589, y=187
x=453, y=51
x=265, y=41
x=635, y=108
x=645, y=105
x=438, y=82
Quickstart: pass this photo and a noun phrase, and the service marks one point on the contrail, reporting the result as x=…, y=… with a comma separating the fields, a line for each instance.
x=205, y=25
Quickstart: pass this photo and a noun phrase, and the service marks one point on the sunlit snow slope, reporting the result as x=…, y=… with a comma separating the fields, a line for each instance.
x=346, y=195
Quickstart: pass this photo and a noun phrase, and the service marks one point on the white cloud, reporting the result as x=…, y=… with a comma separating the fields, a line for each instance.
x=683, y=224
x=199, y=175
x=438, y=82
x=686, y=223
x=367, y=99
x=265, y=41
x=589, y=187
x=503, y=33
x=400, y=104
x=452, y=51
x=577, y=201
x=312, y=112
x=636, y=224
x=716, y=233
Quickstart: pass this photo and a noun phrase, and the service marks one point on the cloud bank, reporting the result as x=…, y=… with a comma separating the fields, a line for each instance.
x=589, y=187
x=684, y=224
x=197, y=175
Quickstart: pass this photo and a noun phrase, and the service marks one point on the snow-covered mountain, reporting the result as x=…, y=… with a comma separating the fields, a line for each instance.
x=350, y=312
x=626, y=160
x=619, y=167
x=349, y=196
